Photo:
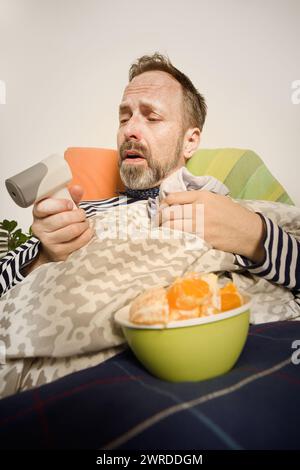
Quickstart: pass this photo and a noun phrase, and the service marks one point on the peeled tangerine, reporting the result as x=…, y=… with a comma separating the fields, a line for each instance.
x=192, y=296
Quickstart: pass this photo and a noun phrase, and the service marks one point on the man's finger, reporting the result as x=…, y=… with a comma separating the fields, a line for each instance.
x=51, y=206
x=186, y=217
x=183, y=225
x=62, y=219
x=184, y=197
x=175, y=212
x=68, y=233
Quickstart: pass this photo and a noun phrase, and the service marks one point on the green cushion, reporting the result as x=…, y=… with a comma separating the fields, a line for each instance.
x=242, y=171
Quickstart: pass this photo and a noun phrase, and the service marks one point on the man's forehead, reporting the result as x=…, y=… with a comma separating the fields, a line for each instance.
x=144, y=90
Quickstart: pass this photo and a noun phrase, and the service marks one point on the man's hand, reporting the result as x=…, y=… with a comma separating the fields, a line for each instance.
x=227, y=225
x=60, y=229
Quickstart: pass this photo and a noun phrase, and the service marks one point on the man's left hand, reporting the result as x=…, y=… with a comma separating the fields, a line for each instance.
x=227, y=225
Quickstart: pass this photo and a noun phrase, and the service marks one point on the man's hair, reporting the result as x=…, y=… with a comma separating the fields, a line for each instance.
x=194, y=106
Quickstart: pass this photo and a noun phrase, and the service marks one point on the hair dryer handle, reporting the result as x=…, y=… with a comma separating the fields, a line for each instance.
x=63, y=193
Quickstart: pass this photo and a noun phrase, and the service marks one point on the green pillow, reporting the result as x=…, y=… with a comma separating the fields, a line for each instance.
x=242, y=171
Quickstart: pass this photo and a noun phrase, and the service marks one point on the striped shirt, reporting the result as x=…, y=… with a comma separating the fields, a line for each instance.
x=281, y=264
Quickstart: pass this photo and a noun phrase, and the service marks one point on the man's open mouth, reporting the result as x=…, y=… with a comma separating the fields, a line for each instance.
x=132, y=157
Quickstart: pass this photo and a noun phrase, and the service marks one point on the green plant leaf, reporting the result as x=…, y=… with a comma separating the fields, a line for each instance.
x=11, y=239
x=17, y=233
x=9, y=225
x=22, y=239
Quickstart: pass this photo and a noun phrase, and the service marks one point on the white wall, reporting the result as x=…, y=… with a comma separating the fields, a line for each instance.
x=65, y=64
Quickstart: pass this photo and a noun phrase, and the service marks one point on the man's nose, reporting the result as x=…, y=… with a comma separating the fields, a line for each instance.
x=132, y=129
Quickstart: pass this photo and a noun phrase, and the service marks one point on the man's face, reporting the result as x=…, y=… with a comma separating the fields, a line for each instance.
x=150, y=124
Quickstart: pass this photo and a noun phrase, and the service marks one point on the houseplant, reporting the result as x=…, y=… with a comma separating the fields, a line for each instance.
x=11, y=237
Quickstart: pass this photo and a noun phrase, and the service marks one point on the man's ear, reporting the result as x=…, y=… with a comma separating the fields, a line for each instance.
x=191, y=142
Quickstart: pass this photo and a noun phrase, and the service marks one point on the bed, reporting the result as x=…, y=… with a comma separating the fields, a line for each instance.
x=119, y=405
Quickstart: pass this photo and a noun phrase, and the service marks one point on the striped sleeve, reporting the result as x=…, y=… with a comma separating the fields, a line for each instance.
x=92, y=207
x=12, y=263
x=281, y=264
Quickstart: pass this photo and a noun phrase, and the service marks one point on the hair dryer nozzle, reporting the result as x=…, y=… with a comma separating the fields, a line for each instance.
x=45, y=179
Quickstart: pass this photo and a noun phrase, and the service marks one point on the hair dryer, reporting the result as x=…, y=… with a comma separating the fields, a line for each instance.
x=48, y=178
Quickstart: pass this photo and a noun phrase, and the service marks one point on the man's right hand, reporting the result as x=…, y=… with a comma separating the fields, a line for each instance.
x=60, y=229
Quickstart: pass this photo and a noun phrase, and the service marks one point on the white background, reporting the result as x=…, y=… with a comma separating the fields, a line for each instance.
x=65, y=64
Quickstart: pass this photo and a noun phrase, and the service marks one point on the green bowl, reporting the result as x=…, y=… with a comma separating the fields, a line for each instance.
x=189, y=350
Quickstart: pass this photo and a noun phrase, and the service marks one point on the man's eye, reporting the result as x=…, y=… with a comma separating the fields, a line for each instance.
x=152, y=119
x=122, y=121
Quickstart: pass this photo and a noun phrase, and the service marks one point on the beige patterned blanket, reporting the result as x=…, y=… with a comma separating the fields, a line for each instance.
x=60, y=319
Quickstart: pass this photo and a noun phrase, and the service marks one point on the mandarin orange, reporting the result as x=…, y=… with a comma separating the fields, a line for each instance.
x=230, y=297
x=186, y=294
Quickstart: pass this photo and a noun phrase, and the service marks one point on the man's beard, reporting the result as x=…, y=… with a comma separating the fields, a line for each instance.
x=139, y=177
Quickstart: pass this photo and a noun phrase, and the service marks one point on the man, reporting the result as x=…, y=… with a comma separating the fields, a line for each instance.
x=161, y=119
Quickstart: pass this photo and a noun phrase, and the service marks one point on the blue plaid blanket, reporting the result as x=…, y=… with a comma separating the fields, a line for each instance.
x=119, y=405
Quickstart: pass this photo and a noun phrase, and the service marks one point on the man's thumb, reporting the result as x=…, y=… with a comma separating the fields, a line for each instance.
x=76, y=192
